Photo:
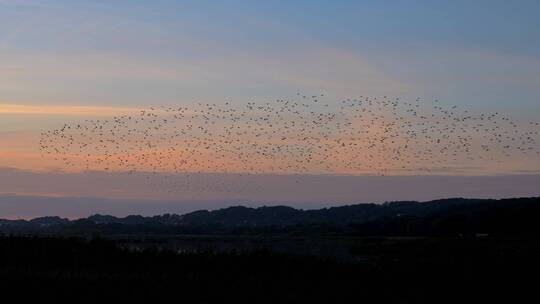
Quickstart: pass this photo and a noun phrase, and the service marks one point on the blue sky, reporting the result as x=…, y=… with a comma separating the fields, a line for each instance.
x=477, y=53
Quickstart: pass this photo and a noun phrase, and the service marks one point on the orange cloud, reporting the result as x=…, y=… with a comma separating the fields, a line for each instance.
x=65, y=110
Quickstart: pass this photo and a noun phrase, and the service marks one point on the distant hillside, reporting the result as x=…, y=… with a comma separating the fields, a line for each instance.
x=442, y=217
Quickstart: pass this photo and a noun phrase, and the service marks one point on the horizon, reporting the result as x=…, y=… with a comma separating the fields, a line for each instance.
x=263, y=206
x=27, y=194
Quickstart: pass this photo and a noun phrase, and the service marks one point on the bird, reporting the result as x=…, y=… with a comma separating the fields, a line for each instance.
x=362, y=135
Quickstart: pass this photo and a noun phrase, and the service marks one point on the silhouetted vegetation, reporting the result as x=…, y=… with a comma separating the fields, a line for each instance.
x=407, y=252
x=450, y=217
x=432, y=270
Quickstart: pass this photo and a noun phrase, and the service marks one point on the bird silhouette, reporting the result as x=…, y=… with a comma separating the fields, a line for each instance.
x=303, y=135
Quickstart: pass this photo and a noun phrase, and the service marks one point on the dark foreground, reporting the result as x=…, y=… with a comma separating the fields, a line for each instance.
x=383, y=270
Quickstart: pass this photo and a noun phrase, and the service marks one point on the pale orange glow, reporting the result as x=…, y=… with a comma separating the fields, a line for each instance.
x=64, y=110
x=373, y=143
x=37, y=194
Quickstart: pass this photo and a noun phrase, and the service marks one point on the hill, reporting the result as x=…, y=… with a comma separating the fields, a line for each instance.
x=456, y=216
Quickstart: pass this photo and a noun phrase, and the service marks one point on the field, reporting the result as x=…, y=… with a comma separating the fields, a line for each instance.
x=252, y=269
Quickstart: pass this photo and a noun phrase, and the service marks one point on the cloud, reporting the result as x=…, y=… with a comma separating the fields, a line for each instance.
x=65, y=110
x=147, y=193
x=333, y=70
x=118, y=78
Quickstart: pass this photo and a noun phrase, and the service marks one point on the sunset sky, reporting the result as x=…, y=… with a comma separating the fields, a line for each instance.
x=69, y=61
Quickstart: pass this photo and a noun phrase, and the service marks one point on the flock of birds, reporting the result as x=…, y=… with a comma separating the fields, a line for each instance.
x=303, y=135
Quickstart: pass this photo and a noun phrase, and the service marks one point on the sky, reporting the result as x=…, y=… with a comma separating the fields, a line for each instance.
x=66, y=61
